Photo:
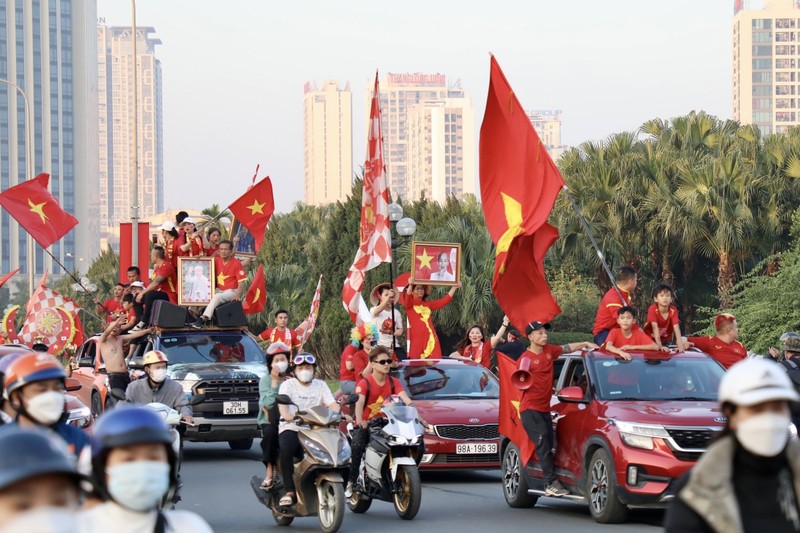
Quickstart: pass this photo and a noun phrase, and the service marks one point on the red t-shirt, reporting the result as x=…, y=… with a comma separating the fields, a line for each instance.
x=538, y=396
x=637, y=338
x=666, y=326
x=288, y=336
x=167, y=271
x=173, y=251
x=195, y=250
x=112, y=306
x=481, y=355
x=211, y=250
x=347, y=356
x=377, y=394
x=229, y=274
x=609, y=307
x=725, y=353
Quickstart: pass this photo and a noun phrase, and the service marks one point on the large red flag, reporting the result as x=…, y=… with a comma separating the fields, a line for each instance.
x=32, y=205
x=510, y=422
x=256, y=298
x=254, y=209
x=375, y=246
x=519, y=185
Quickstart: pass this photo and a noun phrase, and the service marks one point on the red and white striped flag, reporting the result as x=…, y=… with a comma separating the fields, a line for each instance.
x=375, y=247
x=307, y=326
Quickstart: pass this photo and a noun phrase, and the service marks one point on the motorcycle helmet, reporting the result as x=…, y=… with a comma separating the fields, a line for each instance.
x=274, y=349
x=790, y=342
x=154, y=356
x=125, y=426
x=27, y=453
x=30, y=368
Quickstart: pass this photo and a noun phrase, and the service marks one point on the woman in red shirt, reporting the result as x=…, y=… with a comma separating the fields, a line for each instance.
x=421, y=333
x=211, y=242
x=475, y=347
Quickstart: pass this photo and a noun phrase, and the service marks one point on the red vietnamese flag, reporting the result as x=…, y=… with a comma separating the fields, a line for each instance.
x=8, y=276
x=32, y=205
x=519, y=185
x=255, y=300
x=509, y=421
x=254, y=209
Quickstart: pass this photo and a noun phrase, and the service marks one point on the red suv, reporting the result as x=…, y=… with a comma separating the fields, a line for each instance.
x=624, y=430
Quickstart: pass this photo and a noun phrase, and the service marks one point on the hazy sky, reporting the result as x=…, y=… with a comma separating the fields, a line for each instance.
x=234, y=71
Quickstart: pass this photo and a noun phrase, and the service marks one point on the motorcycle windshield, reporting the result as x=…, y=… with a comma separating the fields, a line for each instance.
x=400, y=412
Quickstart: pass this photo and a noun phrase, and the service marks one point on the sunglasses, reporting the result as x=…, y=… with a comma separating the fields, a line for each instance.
x=383, y=362
x=299, y=359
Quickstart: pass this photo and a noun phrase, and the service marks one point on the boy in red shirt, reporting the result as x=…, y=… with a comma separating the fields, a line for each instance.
x=626, y=337
x=662, y=318
x=606, y=318
x=724, y=348
x=534, y=405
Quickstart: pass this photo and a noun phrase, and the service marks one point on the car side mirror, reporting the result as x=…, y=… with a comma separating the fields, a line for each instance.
x=572, y=395
x=283, y=399
x=72, y=384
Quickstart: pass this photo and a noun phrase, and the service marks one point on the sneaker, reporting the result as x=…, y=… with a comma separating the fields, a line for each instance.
x=555, y=489
x=348, y=490
x=199, y=323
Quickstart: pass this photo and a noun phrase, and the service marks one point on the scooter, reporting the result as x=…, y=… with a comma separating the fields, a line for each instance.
x=389, y=468
x=320, y=474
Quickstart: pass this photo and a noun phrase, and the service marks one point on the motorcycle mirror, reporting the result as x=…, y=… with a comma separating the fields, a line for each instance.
x=117, y=394
x=197, y=399
x=283, y=399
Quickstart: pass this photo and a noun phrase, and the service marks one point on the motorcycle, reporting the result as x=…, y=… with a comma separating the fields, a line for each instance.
x=389, y=467
x=320, y=474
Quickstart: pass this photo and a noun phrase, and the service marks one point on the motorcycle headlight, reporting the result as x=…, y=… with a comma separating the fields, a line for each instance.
x=397, y=439
x=344, y=454
x=316, y=451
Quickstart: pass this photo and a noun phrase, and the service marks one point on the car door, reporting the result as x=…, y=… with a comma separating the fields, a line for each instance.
x=85, y=371
x=568, y=421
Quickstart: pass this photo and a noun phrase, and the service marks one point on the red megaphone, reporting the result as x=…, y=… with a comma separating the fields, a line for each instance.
x=522, y=377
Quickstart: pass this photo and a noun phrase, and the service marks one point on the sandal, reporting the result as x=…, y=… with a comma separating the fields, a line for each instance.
x=268, y=482
x=288, y=500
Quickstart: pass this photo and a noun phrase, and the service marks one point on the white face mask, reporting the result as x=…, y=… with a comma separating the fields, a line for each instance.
x=138, y=485
x=282, y=366
x=765, y=434
x=158, y=374
x=50, y=519
x=305, y=375
x=46, y=408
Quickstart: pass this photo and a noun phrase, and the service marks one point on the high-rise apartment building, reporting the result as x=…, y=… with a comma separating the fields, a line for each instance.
x=766, y=64
x=328, y=143
x=411, y=98
x=115, y=126
x=547, y=123
x=48, y=50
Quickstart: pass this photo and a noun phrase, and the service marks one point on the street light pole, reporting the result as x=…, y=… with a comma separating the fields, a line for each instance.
x=404, y=228
x=134, y=185
x=28, y=172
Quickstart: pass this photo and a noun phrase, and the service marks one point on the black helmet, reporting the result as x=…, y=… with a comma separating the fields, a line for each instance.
x=27, y=453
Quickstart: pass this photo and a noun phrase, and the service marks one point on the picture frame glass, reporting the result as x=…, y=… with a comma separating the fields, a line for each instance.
x=195, y=280
x=436, y=263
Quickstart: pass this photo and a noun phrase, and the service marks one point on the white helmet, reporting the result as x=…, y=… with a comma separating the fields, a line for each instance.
x=753, y=381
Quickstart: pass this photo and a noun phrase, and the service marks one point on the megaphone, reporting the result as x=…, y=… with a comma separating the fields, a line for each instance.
x=522, y=377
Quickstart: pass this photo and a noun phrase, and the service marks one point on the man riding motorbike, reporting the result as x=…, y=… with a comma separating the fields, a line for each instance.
x=158, y=387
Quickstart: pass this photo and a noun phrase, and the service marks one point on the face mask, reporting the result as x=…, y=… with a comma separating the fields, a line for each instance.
x=158, y=375
x=765, y=434
x=139, y=485
x=282, y=366
x=50, y=519
x=47, y=407
x=305, y=375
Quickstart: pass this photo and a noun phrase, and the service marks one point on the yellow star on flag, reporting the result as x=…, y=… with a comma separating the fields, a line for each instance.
x=221, y=279
x=516, y=406
x=38, y=209
x=375, y=408
x=256, y=207
x=513, y=210
x=424, y=259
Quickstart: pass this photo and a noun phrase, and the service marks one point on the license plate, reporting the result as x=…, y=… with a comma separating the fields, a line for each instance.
x=234, y=408
x=476, y=447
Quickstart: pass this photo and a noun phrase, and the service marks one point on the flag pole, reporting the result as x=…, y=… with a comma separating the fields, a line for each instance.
x=59, y=263
x=589, y=233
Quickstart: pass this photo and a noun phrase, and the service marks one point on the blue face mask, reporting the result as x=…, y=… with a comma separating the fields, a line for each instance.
x=138, y=485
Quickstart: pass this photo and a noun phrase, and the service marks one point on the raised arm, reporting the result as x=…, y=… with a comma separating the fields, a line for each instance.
x=497, y=337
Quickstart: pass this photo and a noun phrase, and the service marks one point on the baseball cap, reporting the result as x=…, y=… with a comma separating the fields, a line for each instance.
x=722, y=320
x=167, y=226
x=533, y=326
x=755, y=380
x=188, y=220
x=137, y=284
x=514, y=333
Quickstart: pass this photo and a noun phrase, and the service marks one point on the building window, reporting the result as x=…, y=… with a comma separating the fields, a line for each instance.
x=780, y=50
x=765, y=64
x=781, y=63
x=763, y=24
x=766, y=50
x=784, y=116
x=784, y=36
x=784, y=23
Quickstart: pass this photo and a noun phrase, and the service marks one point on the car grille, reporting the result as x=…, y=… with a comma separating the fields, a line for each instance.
x=464, y=432
x=691, y=438
x=229, y=390
x=454, y=458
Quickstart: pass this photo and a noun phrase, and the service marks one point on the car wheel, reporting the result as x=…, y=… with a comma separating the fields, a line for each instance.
x=604, y=504
x=96, y=405
x=515, y=487
x=240, y=444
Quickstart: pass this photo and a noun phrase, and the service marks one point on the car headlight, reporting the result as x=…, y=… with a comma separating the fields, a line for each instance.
x=316, y=451
x=640, y=435
x=430, y=430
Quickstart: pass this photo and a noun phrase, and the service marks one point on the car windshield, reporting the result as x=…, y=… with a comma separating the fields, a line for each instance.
x=677, y=378
x=199, y=348
x=449, y=382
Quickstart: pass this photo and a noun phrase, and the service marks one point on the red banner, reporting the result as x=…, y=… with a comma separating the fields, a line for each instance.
x=143, y=261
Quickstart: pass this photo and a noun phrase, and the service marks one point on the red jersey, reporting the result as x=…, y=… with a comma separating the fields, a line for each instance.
x=666, y=326
x=609, y=307
x=112, y=306
x=347, y=357
x=481, y=354
x=725, y=353
x=196, y=249
x=537, y=397
x=288, y=336
x=170, y=285
x=211, y=250
x=172, y=250
x=377, y=394
x=229, y=274
x=637, y=338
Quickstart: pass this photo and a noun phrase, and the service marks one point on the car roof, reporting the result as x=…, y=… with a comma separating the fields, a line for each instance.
x=645, y=355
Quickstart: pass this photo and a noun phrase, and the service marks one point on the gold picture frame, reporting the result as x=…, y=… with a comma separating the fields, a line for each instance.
x=436, y=263
x=196, y=276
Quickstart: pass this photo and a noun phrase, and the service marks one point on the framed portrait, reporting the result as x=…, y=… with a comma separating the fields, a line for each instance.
x=195, y=280
x=436, y=263
x=244, y=244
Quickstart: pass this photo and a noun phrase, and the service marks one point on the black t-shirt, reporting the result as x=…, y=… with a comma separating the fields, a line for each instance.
x=513, y=349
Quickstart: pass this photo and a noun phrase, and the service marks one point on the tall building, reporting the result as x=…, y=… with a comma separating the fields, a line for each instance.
x=766, y=64
x=328, y=146
x=547, y=123
x=401, y=96
x=115, y=126
x=49, y=50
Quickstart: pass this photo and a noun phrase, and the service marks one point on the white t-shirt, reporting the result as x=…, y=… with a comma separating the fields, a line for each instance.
x=110, y=516
x=385, y=339
x=304, y=397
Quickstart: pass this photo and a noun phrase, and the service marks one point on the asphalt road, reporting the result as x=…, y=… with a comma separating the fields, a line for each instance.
x=216, y=486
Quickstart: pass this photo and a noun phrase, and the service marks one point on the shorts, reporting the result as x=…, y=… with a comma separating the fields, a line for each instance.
x=119, y=380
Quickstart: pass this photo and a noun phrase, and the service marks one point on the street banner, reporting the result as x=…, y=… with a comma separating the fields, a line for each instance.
x=142, y=255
